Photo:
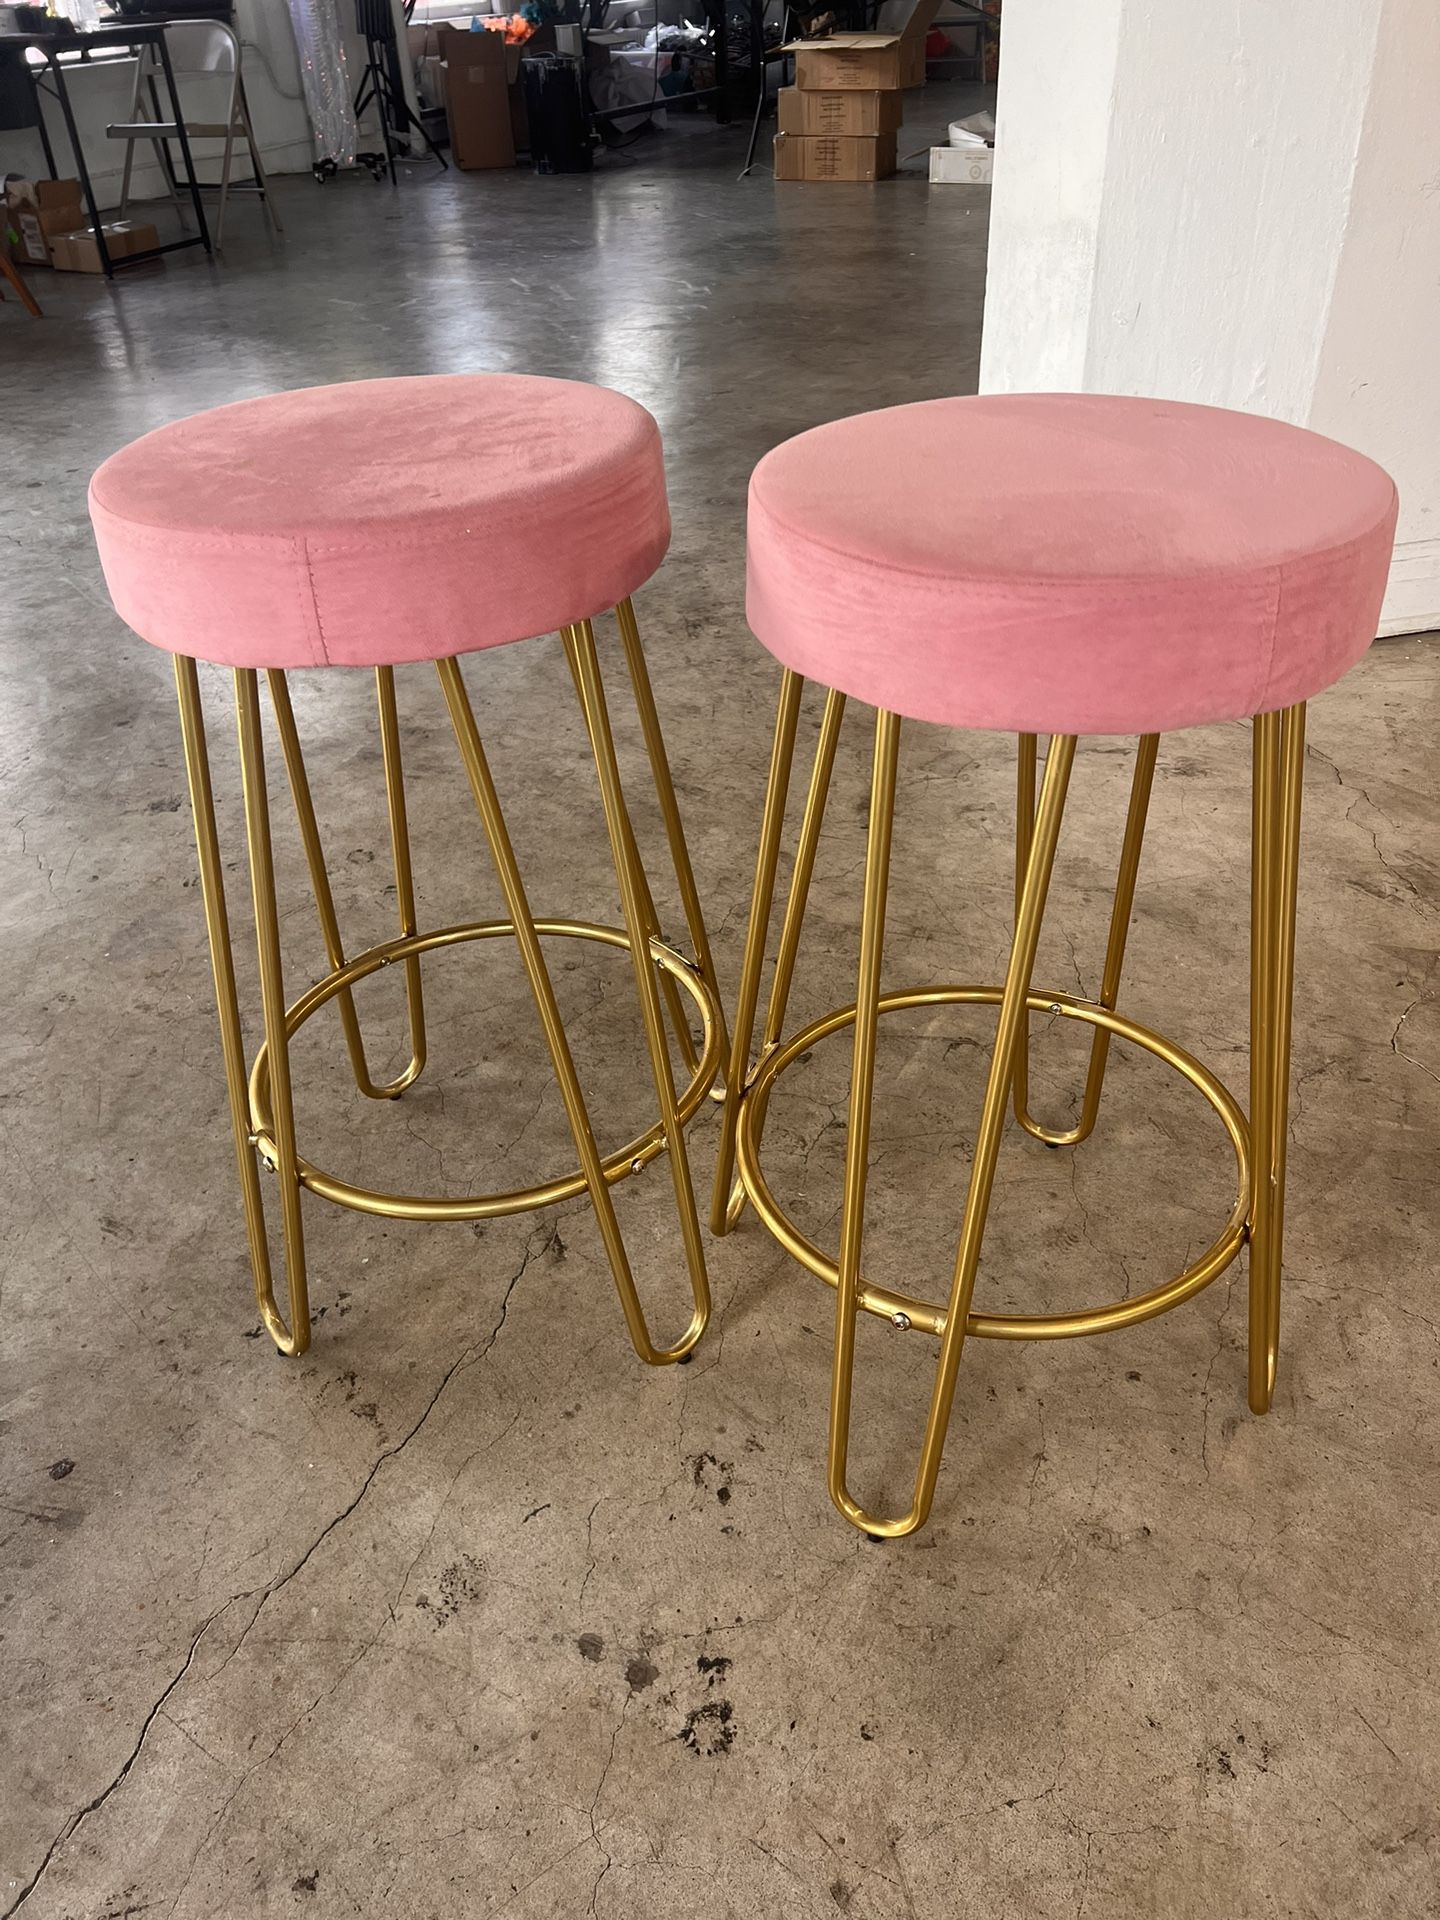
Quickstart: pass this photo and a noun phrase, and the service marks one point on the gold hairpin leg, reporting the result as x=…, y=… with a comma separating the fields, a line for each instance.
x=634, y=895
x=295, y=1338
x=1058, y=763
x=806, y=846
x=1279, y=764
x=862, y=1087
x=674, y=1001
x=1120, y=912
x=725, y=1204
x=487, y=802
x=320, y=878
x=272, y=994
x=670, y=812
x=811, y=822
x=404, y=872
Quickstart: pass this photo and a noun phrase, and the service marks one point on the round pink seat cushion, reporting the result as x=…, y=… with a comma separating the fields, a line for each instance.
x=382, y=520
x=1068, y=563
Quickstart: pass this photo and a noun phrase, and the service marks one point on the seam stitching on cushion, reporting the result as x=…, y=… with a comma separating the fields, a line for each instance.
x=312, y=607
x=1329, y=554
x=1021, y=582
x=1267, y=664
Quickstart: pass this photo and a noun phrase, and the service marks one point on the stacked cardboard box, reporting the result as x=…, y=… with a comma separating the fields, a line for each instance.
x=840, y=119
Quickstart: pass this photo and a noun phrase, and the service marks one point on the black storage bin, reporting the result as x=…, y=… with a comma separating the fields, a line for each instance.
x=17, y=99
x=555, y=109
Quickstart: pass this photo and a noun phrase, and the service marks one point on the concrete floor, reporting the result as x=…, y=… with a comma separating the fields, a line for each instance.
x=468, y=1612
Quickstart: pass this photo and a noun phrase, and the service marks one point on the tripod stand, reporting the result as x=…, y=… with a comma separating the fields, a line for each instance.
x=764, y=55
x=382, y=86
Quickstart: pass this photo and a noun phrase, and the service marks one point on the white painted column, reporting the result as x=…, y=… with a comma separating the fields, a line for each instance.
x=1236, y=203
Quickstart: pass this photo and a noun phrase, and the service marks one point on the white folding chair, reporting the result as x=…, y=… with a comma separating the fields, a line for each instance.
x=206, y=55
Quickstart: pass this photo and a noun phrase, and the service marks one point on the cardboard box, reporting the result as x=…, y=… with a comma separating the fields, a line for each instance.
x=970, y=166
x=847, y=63
x=477, y=99
x=35, y=212
x=22, y=238
x=79, y=252
x=803, y=157
x=853, y=115
x=913, y=35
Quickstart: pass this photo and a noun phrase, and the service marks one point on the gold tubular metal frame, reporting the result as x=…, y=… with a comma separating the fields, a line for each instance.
x=320, y=878
x=667, y=981
x=1120, y=913
x=1257, y=1141
x=1279, y=767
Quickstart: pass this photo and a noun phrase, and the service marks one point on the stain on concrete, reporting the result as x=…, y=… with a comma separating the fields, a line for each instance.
x=709, y=1729
x=713, y=1475
x=460, y=1582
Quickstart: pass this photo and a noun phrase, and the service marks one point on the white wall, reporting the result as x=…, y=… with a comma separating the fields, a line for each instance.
x=1052, y=136
x=1237, y=203
x=1226, y=197
x=1379, y=374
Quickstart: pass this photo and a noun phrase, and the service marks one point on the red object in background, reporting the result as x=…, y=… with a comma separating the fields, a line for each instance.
x=515, y=27
x=937, y=44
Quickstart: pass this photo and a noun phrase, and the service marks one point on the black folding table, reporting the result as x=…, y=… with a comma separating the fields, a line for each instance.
x=105, y=44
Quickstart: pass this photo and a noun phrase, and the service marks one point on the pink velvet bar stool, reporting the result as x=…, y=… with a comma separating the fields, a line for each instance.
x=1065, y=565
x=375, y=525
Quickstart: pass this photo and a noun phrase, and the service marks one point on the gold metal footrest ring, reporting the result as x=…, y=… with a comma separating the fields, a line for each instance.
x=904, y=1310
x=399, y=1206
